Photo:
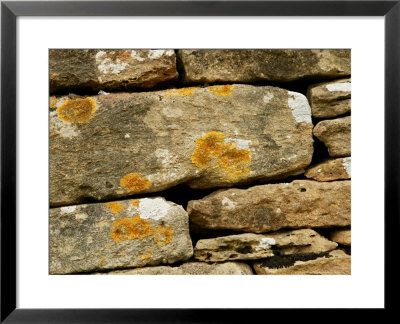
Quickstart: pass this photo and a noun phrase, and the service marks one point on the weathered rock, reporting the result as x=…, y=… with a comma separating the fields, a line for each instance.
x=120, y=234
x=243, y=65
x=333, y=169
x=341, y=236
x=118, y=145
x=302, y=203
x=110, y=69
x=336, y=135
x=330, y=99
x=335, y=262
x=257, y=246
x=191, y=268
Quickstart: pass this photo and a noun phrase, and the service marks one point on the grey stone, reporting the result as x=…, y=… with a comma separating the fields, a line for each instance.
x=116, y=235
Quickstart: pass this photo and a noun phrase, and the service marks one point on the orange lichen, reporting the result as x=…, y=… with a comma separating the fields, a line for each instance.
x=134, y=182
x=163, y=235
x=115, y=207
x=135, y=202
x=78, y=110
x=103, y=261
x=53, y=103
x=146, y=255
x=222, y=90
x=181, y=92
x=128, y=229
x=213, y=153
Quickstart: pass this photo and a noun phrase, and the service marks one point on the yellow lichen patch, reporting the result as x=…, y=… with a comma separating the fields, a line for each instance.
x=135, y=203
x=181, y=92
x=103, y=261
x=128, y=229
x=146, y=255
x=163, y=235
x=214, y=153
x=115, y=207
x=53, y=103
x=78, y=110
x=222, y=90
x=134, y=182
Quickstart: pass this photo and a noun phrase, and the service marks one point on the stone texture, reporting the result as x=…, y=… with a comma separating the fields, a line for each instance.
x=330, y=99
x=332, y=169
x=120, y=234
x=301, y=203
x=121, y=144
x=336, y=135
x=191, y=268
x=333, y=263
x=207, y=66
x=79, y=69
x=257, y=246
x=341, y=236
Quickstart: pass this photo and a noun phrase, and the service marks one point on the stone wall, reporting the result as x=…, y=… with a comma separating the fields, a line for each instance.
x=200, y=162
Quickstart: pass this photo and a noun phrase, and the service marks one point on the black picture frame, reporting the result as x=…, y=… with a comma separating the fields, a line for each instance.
x=11, y=10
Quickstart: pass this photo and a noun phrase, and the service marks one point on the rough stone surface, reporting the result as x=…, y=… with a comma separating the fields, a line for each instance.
x=333, y=169
x=72, y=70
x=336, y=135
x=121, y=144
x=334, y=263
x=258, y=246
x=120, y=234
x=341, y=236
x=191, y=268
x=302, y=203
x=330, y=99
x=207, y=66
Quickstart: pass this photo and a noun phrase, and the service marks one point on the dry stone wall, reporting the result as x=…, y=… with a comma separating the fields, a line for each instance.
x=186, y=162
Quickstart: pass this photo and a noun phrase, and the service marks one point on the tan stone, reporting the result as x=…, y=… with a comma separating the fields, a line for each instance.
x=332, y=169
x=257, y=246
x=244, y=65
x=301, y=203
x=335, y=262
x=336, y=135
x=190, y=268
x=122, y=144
x=98, y=69
x=330, y=99
x=116, y=235
x=341, y=236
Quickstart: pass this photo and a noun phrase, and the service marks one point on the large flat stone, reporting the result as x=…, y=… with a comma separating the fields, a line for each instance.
x=330, y=99
x=190, y=268
x=115, y=235
x=336, y=135
x=335, y=262
x=332, y=169
x=258, y=246
x=99, y=69
x=301, y=203
x=118, y=145
x=243, y=65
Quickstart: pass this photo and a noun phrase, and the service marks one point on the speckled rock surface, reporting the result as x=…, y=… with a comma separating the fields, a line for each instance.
x=333, y=169
x=118, y=145
x=110, y=69
x=336, y=135
x=330, y=99
x=258, y=246
x=191, y=268
x=122, y=234
x=335, y=262
x=301, y=203
x=342, y=236
x=206, y=66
